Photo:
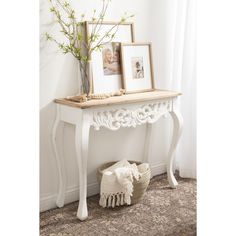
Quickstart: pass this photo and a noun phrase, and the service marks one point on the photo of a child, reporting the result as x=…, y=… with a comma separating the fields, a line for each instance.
x=137, y=67
x=111, y=59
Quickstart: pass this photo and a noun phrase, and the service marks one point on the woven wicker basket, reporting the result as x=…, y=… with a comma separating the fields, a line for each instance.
x=140, y=186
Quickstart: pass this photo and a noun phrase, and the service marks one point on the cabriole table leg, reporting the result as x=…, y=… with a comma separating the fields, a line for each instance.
x=81, y=143
x=177, y=130
x=59, y=160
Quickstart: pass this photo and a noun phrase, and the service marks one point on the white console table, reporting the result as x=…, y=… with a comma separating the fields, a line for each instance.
x=112, y=113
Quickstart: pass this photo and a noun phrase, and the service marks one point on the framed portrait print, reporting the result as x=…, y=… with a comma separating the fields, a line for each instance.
x=106, y=63
x=137, y=67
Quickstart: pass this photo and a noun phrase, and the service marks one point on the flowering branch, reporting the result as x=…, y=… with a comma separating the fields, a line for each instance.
x=72, y=29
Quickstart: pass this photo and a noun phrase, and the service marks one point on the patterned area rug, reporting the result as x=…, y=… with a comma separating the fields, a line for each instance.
x=163, y=211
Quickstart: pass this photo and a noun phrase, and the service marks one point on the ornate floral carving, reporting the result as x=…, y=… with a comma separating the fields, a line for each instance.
x=128, y=117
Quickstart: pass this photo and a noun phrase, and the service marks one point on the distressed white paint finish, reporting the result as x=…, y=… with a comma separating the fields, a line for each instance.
x=113, y=118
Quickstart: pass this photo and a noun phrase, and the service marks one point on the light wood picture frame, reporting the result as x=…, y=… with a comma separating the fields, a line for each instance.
x=137, y=67
x=103, y=80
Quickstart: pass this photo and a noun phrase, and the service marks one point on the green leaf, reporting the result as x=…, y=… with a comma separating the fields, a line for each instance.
x=48, y=37
x=80, y=36
x=84, y=58
x=66, y=4
x=78, y=50
x=122, y=19
x=52, y=9
x=61, y=45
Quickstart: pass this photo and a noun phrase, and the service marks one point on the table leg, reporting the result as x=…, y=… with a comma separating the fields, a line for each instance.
x=177, y=130
x=59, y=160
x=147, y=147
x=81, y=144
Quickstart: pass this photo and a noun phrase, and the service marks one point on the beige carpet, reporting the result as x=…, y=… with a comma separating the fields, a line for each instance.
x=163, y=211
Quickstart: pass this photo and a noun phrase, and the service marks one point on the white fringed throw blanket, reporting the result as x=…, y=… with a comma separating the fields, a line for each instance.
x=117, y=184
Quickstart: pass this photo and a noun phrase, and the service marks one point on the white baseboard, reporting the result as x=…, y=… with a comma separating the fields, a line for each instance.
x=158, y=169
x=188, y=173
x=72, y=194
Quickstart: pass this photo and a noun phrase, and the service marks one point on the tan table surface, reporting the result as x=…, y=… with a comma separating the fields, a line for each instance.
x=125, y=99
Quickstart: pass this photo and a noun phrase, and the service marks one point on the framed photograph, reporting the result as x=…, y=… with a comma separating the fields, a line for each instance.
x=137, y=67
x=106, y=63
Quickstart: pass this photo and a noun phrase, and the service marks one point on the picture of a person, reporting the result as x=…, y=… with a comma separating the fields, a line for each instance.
x=137, y=65
x=116, y=58
x=111, y=59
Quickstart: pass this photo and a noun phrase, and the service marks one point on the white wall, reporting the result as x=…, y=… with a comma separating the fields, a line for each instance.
x=58, y=78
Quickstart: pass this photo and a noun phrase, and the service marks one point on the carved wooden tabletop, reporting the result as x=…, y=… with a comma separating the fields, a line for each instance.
x=128, y=98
